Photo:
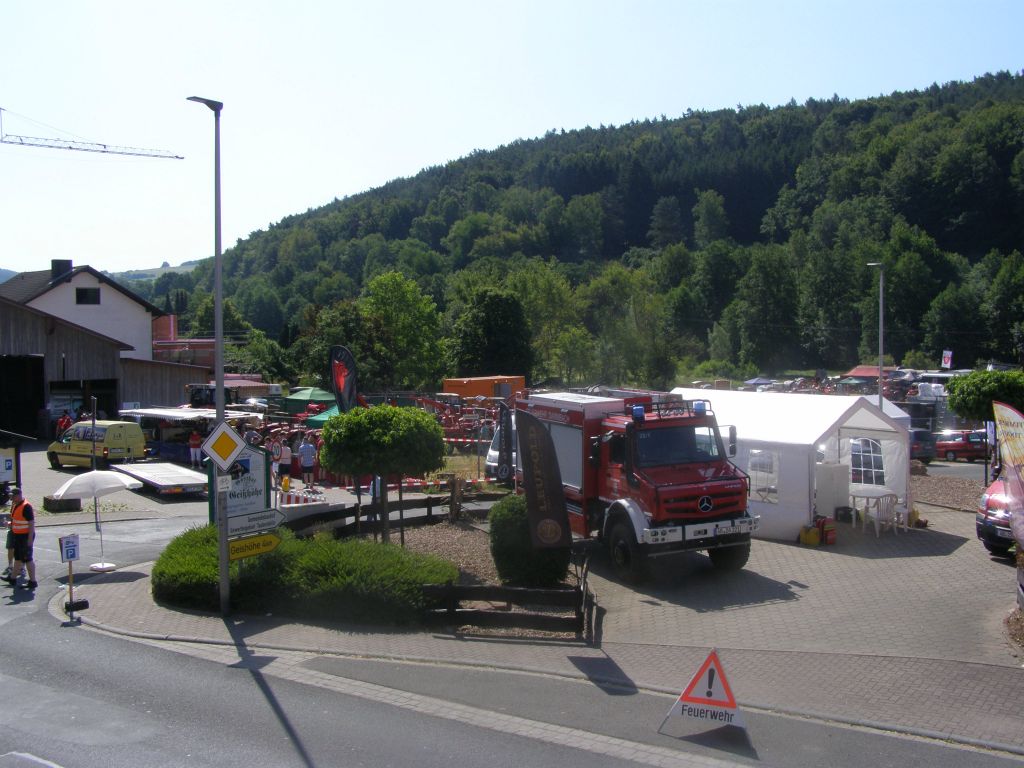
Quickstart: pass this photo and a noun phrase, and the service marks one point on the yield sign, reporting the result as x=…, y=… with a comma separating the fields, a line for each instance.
x=708, y=697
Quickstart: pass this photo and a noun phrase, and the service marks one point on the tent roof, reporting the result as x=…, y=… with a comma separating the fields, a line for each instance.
x=321, y=418
x=311, y=394
x=791, y=418
x=870, y=371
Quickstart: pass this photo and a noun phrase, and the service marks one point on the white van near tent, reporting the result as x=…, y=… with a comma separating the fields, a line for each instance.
x=803, y=452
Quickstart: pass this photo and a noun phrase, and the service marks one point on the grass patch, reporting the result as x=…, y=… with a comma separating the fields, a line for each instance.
x=320, y=579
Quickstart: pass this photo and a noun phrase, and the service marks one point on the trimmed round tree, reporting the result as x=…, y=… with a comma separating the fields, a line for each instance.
x=383, y=440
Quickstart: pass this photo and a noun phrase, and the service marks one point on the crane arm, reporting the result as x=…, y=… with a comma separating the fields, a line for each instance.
x=82, y=146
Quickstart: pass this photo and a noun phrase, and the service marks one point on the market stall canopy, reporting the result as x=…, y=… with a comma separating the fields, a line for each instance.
x=317, y=421
x=189, y=414
x=300, y=398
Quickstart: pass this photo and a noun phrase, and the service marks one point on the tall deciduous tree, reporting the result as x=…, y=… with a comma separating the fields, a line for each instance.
x=492, y=337
x=666, y=223
x=709, y=220
x=766, y=310
x=403, y=335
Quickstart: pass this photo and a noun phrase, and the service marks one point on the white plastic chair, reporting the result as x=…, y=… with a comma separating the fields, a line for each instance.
x=883, y=513
x=902, y=513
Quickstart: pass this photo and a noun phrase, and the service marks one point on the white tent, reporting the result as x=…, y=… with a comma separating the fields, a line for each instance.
x=803, y=451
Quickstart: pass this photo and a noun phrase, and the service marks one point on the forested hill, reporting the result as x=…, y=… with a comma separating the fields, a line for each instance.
x=734, y=239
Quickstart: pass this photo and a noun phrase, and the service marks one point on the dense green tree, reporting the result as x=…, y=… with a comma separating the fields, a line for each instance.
x=1004, y=307
x=766, y=310
x=259, y=355
x=710, y=222
x=402, y=336
x=341, y=323
x=235, y=326
x=549, y=305
x=492, y=337
x=971, y=396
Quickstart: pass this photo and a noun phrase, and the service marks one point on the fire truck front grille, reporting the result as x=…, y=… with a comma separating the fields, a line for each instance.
x=703, y=504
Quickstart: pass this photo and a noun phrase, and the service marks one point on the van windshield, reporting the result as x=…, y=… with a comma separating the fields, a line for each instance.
x=676, y=445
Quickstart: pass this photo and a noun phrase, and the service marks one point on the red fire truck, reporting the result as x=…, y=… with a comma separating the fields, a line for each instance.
x=648, y=473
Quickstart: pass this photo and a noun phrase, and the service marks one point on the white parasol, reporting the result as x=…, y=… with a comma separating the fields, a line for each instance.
x=93, y=485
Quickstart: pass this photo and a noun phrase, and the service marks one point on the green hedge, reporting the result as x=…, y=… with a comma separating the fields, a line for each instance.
x=518, y=563
x=317, y=579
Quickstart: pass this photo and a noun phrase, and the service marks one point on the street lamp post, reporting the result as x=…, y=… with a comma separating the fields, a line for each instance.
x=881, y=324
x=218, y=356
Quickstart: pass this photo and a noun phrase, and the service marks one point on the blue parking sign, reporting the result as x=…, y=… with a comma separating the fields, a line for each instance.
x=68, y=548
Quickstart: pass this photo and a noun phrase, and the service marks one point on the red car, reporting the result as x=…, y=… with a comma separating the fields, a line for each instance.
x=993, y=520
x=962, y=444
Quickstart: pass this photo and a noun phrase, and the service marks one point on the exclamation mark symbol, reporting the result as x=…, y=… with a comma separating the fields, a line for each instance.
x=711, y=681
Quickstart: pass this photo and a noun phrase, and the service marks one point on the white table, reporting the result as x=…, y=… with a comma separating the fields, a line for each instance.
x=870, y=494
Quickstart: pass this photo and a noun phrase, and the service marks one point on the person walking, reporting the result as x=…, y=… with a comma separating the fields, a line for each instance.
x=307, y=458
x=195, y=445
x=284, y=470
x=23, y=533
x=63, y=423
x=10, y=545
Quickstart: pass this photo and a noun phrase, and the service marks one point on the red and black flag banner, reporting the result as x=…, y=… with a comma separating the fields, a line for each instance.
x=343, y=378
x=542, y=484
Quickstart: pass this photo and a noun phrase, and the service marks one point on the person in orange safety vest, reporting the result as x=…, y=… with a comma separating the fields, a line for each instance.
x=23, y=534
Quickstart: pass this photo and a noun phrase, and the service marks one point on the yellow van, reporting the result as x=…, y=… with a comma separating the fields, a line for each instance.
x=114, y=441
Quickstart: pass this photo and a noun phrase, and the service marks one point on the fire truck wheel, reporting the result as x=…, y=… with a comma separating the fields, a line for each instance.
x=729, y=558
x=628, y=560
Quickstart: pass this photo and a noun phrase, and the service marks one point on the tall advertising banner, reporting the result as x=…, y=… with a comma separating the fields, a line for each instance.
x=542, y=483
x=505, y=444
x=343, y=378
x=1010, y=428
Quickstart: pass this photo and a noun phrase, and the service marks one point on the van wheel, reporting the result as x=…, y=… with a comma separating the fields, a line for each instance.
x=102, y=463
x=54, y=461
x=729, y=558
x=628, y=561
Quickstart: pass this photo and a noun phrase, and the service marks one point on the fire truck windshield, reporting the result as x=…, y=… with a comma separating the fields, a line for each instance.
x=676, y=445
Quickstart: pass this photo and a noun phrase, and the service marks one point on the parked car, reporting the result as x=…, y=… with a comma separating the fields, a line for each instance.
x=993, y=520
x=962, y=444
x=922, y=445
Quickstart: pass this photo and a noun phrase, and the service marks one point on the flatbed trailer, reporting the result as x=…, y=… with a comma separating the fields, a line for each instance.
x=164, y=477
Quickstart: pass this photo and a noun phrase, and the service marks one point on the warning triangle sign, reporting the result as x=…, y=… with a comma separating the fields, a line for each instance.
x=708, y=696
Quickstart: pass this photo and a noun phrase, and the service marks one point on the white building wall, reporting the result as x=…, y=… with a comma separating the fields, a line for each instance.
x=116, y=316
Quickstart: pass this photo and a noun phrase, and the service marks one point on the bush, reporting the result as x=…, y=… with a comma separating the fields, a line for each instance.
x=318, y=578
x=518, y=563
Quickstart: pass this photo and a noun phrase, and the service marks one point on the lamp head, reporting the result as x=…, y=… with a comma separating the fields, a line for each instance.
x=216, y=106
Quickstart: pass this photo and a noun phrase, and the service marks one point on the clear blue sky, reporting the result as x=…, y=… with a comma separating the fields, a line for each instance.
x=328, y=99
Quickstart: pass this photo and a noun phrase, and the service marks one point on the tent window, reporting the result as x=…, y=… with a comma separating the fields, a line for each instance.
x=763, y=468
x=866, y=466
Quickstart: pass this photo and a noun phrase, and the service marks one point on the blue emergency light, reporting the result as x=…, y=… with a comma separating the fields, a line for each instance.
x=638, y=413
x=700, y=407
